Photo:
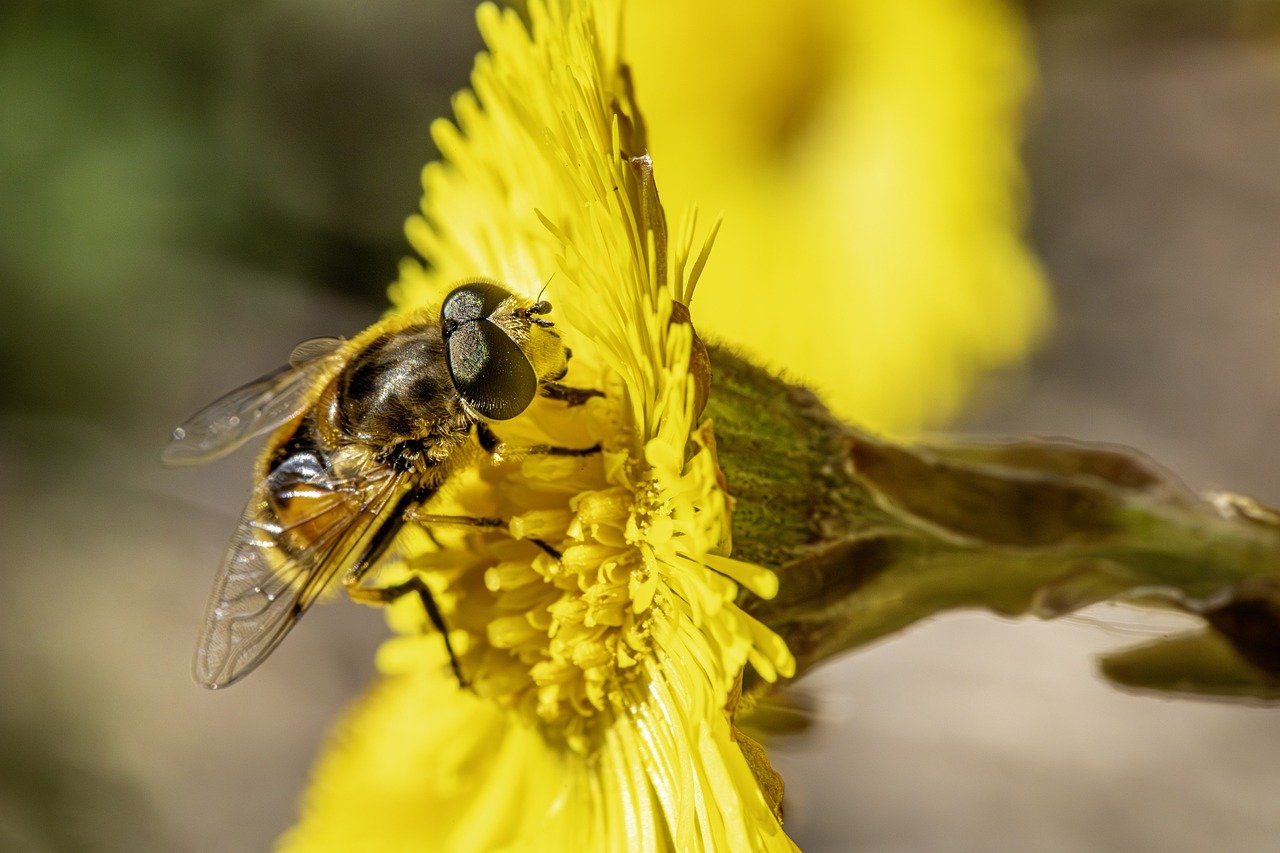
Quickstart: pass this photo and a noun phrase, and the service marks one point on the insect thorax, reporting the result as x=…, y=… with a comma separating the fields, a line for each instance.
x=398, y=389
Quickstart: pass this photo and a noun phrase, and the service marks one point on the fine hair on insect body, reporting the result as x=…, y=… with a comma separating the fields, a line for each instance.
x=364, y=432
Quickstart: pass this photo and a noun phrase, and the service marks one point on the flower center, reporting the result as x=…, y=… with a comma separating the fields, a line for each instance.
x=555, y=609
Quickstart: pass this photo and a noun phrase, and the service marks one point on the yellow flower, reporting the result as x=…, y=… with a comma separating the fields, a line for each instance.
x=866, y=155
x=599, y=633
x=606, y=637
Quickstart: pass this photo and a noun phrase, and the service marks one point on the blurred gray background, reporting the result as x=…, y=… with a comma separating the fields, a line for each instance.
x=183, y=196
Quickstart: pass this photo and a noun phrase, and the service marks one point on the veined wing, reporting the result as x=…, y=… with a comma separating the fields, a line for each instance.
x=302, y=527
x=252, y=409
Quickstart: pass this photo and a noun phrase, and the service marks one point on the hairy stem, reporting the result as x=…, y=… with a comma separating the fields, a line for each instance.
x=869, y=536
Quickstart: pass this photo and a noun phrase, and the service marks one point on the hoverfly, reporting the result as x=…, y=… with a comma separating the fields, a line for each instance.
x=366, y=432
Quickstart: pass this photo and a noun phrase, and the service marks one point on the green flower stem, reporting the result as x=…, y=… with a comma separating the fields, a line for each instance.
x=868, y=536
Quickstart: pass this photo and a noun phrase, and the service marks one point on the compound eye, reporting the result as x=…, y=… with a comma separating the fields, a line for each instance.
x=489, y=370
x=474, y=301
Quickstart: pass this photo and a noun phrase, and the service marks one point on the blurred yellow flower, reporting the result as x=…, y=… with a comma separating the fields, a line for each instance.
x=600, y=633
x=866, y=155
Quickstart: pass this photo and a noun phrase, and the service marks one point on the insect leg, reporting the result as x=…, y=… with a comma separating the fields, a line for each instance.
x=546, y=548
x=568, y=394
x=552, y=450
x=415, y=584
x=426, y=519
x=494, y=445
x=377, y=549
x=488, y=439
x=416, y=516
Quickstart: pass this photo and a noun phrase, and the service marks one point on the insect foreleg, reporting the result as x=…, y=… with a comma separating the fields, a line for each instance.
x=494, y=445
x=547, y=450
x=568, y=394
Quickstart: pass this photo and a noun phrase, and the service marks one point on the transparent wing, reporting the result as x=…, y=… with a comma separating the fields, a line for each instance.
x=313, y=349
x=252, y=409
x=274, y=571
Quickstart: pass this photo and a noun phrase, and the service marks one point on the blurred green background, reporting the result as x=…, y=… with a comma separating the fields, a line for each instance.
x=186, y=193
